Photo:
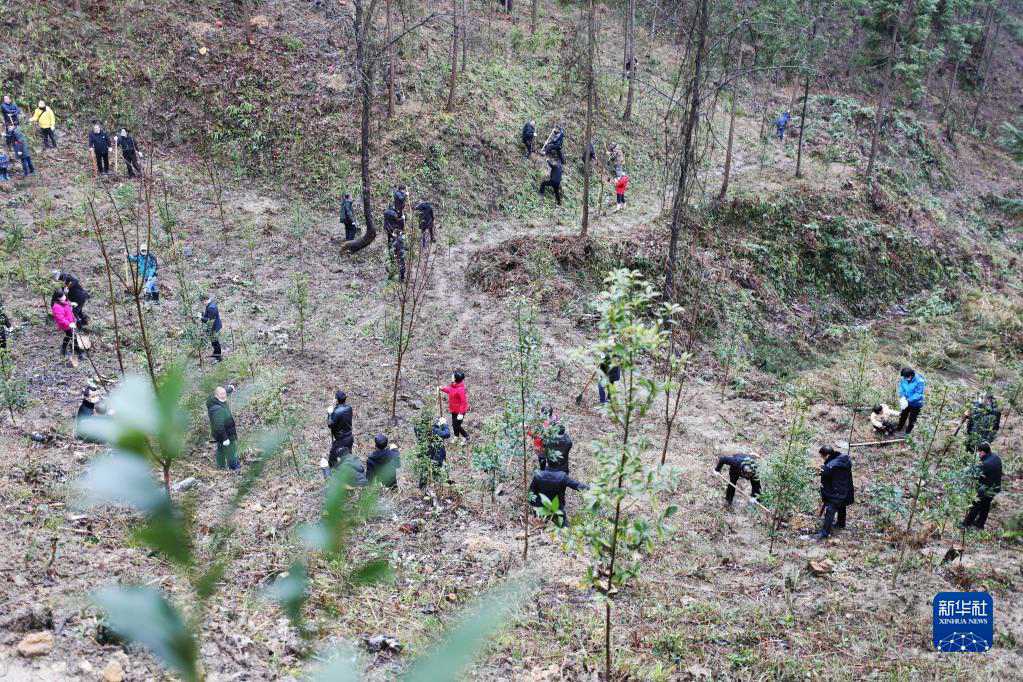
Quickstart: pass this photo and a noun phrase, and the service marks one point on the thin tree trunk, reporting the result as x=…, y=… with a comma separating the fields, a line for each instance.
x=630, y=56
x=679, y=213
x=364, y=69
x=731, y=134
x=465, y=34
x=110, y=286
x=532, y=17
x=806, y=99
x=391, y=54
x=588, y=160
x=886, y=87
x=450, y=106
x=982, y=93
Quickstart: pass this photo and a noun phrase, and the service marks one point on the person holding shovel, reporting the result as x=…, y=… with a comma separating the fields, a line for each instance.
x=76, y=294
x=739, y=466
x=99, y=147
x=837, y=489
x=458, y=403
x=223, y=430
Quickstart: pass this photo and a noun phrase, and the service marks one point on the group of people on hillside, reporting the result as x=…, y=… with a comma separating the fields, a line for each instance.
x=17, y=147
x=837, y=489
x=553, y=150
x=394, y=225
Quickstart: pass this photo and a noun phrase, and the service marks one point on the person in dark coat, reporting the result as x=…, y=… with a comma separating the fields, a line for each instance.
x=22, y=151
x=348, y=217
x=610, y=374
x=99, y=144
x=436, y=450
x=222, y=428
x=739, y=466
x=555, y=450
x=528, y=136
x=553, y=180
x=983, y=423
x=837, y=490
x=130, y=152
x=76, y=294
x=554, y=144
x=11, y=115
x=382, y=464
x=90, y=408
x=425, y=211
x=400, y=198
x=351, y=466
x=989, y=484
x=5, y=327
x=339, y=420
x=552, y=485
x=211, y=321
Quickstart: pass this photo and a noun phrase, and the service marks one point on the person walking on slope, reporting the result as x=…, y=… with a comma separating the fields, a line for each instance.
x=837, y=489
x=739, y=466
x=553, y=146
x=211, y=320
x=911, y=398
x=130, y=152
x=223, y=430
x=64, y=318
x=99, y=146
x=348, y=217
x=780, y=124
x=22, y=151
x=424, y=209
x=553, y=180
x=528, y=136
x=458, y=403
x=44, y=117
x=989, y=484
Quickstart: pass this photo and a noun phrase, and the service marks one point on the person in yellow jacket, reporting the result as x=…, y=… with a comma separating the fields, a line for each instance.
x=47, y=121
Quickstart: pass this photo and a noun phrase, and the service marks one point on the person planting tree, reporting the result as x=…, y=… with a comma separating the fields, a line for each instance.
x=739, y=466
x=989, y=484
x=911, y=398
x=837, y=489
x=552, y=484
x=64, y=318
x=458, y=403
x=382, y=464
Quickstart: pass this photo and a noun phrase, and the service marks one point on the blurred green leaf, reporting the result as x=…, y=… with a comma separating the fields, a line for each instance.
x=269, y=447
x=343, y=666
x=290, y=592
x=456, y=651
x=164, y=530
x=206, y=584
x=142, y=615
x=120, y=479
x=373, y=571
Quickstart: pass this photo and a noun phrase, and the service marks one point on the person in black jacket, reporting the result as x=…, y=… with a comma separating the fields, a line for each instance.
x=555, y=450
x=610, y=374
x=983, y=423
x=989, y=484
x=436, y=450
x=99, y=144
x=130, y=152
x=739, y=466
x=552, y=485
x=837, y=490
x=400, y=198
x=555, y=141
x=553, y=180
x=90, y=408
x=348, y=217
x=528, y=136
x=211, y=321
x=339, y=420
x=351, y=466
x=222, y=428
x=425, y=211
x=76, y=294
x=382, y=464
x=5, y=327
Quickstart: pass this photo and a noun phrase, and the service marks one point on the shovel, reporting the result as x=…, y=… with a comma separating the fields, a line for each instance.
x=579, y=398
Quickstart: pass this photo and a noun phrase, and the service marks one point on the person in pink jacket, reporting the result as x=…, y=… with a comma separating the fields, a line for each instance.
x=64, y=317
x=458, y=404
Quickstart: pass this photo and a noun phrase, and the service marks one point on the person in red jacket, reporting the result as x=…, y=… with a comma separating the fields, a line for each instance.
x=458, y=404
x=64, y=317
x=621, y=184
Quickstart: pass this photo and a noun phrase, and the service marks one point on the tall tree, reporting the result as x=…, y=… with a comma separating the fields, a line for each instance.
x=630, y=55
x=886, y=87
x=453, y=81
x=687, y=152
x=532, y=15
x=726, y=173
x=391, y=56
x=591, y=29
x=362, y=24
x=806, y=96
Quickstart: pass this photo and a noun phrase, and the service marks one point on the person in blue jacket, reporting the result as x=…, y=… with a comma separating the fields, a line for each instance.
x=146, y=265
x=911, y=390
x=781, y=123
